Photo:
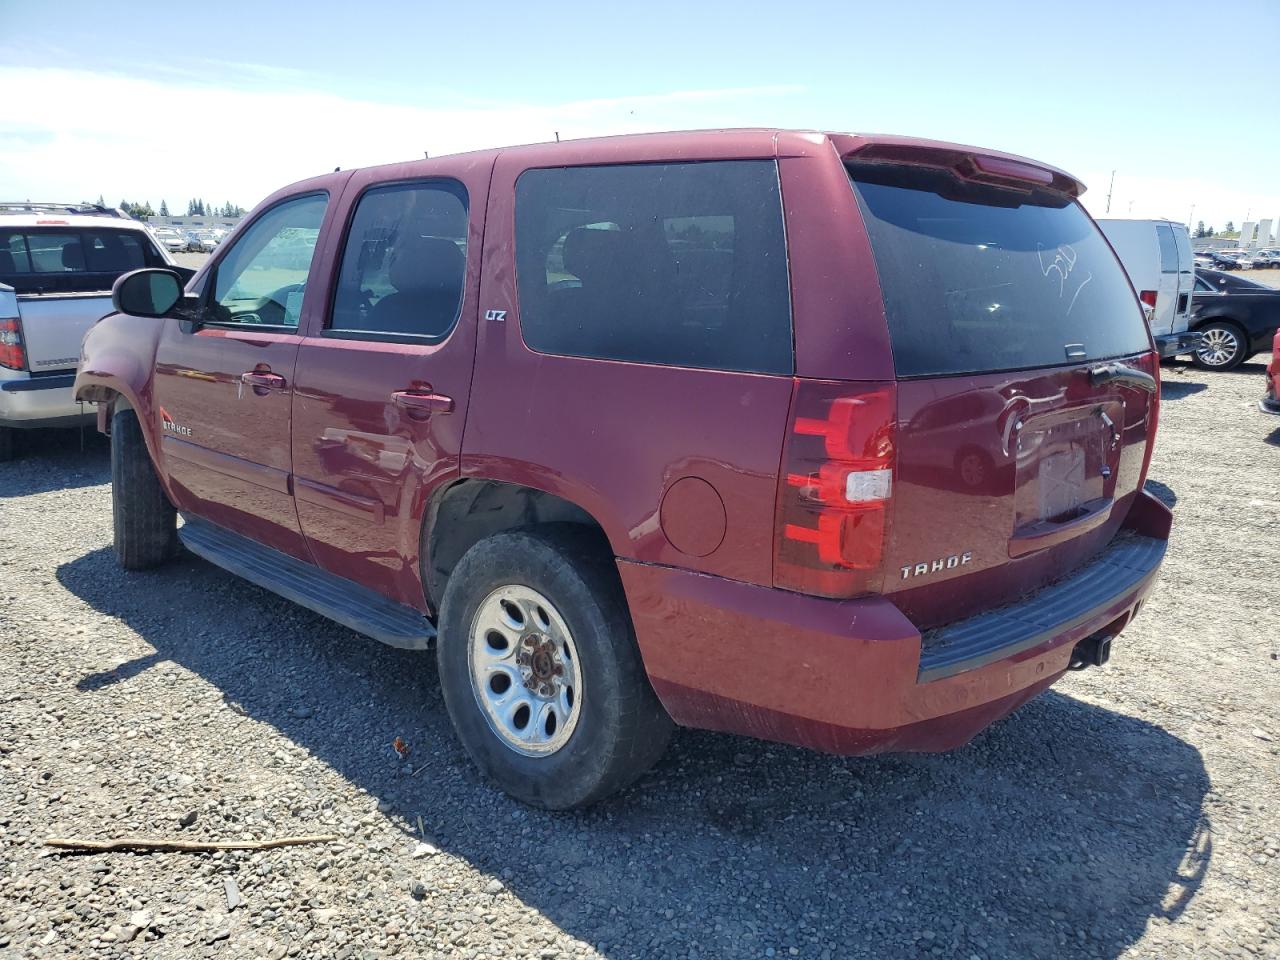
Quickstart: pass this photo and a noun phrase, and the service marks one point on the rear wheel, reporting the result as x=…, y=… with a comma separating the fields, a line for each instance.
x=1221, y=347
x=145, y=522
x=540, y=670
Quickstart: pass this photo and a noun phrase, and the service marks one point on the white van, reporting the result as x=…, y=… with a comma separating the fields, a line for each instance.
x=1157, y=256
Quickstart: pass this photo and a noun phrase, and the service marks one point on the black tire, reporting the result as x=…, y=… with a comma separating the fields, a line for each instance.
x=1215, y=336
x=621, y=729
x=6, y=443
x=145, y=522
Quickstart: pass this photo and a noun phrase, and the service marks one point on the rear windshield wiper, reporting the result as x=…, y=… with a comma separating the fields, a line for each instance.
x=1122, y=373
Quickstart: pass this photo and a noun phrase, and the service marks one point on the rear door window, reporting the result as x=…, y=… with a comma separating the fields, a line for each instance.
x=980, y=279
x=1186, y=258
x=1168, y=248
x=404, y=263
x=679, y=264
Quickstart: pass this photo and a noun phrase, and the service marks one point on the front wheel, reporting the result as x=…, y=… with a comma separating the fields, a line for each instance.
x=1221, y=347
x=146, y=525
x=540, y=670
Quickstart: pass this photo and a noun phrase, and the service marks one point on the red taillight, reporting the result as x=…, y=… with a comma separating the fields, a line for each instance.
x=835, y=489
x=12, y=354
x=1148, y=297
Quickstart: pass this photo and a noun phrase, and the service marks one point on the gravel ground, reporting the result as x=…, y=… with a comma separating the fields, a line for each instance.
x=1131, y=811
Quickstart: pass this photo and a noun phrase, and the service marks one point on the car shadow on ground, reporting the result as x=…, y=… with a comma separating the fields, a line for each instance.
x=46, y=460
x=1171, y=389
x=1163, y=492
x=1063, y=830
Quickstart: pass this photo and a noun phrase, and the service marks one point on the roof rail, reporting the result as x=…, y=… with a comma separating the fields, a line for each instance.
x=82, y=209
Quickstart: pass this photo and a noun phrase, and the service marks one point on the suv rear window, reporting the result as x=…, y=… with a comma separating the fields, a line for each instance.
x=980, y=279
x=69, y=260
x=681, y=264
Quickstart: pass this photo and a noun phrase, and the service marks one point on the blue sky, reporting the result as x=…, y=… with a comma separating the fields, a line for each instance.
x=230, y=100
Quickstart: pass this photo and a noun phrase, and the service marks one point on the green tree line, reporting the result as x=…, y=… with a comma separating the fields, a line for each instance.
x=195, y=208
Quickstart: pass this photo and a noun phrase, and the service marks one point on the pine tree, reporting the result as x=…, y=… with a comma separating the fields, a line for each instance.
x=164, y=209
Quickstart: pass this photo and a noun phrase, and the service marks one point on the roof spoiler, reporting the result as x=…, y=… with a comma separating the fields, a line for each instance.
x=967, y=163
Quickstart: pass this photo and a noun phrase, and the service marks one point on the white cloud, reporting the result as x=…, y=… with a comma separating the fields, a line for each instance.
x=75, y=134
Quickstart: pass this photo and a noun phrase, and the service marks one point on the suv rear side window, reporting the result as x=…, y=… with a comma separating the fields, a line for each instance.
x=978, y=279
x=72, y=260
x=681, y=264
x=404, y=263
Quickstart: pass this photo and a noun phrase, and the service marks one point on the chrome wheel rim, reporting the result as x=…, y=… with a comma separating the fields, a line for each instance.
x=524, y=671
x=1218, y=346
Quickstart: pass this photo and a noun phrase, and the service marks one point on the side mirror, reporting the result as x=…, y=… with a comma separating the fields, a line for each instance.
x=147, y=293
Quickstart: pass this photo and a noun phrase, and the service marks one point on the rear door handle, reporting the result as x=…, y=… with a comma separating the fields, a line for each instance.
x=262, y=381
x=421, y=404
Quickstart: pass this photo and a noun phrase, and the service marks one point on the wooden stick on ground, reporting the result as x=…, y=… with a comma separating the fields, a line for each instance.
x=145, y=845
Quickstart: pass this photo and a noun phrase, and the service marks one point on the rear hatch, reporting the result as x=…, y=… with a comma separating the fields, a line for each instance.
x=1025, y=401
x=62, y=276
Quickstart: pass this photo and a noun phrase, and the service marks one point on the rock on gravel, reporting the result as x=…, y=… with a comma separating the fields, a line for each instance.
x=1129, y=812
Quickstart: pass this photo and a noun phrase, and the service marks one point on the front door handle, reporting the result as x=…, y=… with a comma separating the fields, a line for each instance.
x=262, y=381
x=420, y=404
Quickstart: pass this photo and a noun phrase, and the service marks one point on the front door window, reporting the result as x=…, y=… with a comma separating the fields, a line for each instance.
x=262, y=279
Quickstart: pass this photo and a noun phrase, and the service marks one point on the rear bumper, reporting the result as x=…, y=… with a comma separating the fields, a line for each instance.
x=855, y=677
x=1177, y=344
x=42, y=402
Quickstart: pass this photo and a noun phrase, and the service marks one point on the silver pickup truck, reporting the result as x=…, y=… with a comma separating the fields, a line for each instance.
x=58, y=263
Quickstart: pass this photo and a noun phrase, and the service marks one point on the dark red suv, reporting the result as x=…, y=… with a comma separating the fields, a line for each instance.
x=827, y=439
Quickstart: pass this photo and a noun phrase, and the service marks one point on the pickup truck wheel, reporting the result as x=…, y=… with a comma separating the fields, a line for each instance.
x=6, y=443
x=146, y=525
x=1222, y=346
x=540, y=670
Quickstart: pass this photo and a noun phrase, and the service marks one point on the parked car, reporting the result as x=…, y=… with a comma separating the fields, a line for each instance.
x=635, y=444
x=1270, y=402
x=1232, y=260
x=171, y=240
x=1157, y=256
x=1235, y=317
x=1266, y=258
x=58, y=263
x=194, y=243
